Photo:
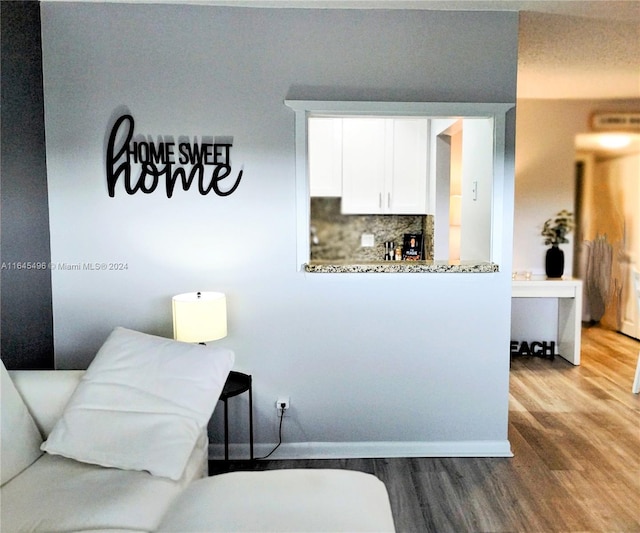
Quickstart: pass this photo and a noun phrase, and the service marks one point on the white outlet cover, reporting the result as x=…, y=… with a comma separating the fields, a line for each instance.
x=367, y=240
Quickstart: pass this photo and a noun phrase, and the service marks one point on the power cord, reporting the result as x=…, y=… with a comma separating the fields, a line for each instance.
x=282, y=406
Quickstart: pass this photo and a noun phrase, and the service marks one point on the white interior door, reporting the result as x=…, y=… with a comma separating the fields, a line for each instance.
x=609, y=233
x=627, y=171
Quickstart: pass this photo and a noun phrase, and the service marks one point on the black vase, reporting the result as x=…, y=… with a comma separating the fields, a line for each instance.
x=554, y=262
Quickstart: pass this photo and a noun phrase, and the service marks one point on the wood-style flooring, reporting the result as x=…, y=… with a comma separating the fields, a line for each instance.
x=575, y=433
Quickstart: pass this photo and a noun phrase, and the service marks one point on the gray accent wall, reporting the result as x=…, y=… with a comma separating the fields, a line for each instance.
x=25, y=290
x=392, y=364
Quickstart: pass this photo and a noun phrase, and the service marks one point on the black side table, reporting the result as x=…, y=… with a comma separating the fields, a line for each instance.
x=236, y=384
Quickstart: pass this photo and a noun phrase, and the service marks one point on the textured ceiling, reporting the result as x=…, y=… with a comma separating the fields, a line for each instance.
x=565, y=56
x=568, y=49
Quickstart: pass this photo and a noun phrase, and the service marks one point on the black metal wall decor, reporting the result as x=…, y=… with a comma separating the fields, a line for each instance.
x=141, y=164
x=536, y=348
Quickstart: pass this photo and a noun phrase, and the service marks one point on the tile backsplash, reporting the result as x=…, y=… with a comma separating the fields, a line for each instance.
x=339, y=235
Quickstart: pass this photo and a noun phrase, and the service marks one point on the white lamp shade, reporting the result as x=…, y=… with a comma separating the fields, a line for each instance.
x=199, y=316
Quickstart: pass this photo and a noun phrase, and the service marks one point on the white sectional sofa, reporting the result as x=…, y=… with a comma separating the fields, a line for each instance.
x=51, y=483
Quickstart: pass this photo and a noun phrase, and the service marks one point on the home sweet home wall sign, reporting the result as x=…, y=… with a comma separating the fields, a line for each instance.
x=142, y=165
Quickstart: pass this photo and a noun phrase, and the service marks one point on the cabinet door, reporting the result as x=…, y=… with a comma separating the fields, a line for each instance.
x=406, y=185
x=325, y=156
x=363, y=165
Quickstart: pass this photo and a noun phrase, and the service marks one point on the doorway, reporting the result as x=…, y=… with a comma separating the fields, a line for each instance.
x=607, y=214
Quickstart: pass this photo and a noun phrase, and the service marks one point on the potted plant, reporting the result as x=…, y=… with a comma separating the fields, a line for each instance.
x=555, y=231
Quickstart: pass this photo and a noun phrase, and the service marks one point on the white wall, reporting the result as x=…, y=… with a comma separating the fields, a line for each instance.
x=477, y=167
x=545, y=184
x=545, y=179
x=440, y=167
x=374, y=364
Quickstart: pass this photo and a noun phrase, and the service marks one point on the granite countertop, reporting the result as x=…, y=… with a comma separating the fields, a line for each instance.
x=394, y=267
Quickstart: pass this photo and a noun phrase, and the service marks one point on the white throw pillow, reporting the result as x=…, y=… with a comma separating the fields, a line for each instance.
x=142, y=404
x=19, y=437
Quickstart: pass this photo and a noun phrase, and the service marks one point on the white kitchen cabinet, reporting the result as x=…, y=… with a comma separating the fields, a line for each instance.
x=384, y=166
x=325, y=156
x=364, y=160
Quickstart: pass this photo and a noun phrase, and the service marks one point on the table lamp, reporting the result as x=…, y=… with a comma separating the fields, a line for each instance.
x=199, y=316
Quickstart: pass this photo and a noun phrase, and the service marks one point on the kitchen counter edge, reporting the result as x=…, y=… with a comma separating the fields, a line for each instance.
x=396, y=267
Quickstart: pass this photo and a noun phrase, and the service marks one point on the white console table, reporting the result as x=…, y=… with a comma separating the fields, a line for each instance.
x=569, y=295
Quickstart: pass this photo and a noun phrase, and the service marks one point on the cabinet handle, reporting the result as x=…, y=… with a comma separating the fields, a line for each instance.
x=380, y=200
x=389, y=200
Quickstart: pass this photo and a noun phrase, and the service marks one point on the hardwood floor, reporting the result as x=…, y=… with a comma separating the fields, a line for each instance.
x=575, y=433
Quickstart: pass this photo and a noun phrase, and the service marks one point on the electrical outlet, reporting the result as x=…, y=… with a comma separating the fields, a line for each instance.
x=282, y=403
x=367, y=240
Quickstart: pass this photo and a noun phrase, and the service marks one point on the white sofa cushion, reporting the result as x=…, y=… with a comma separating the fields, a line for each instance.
x=56, y=494
x=296, y=500
x=142, y=403
x=20, y=438
x=46, y=393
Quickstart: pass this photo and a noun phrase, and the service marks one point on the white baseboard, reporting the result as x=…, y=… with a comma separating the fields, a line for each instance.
x=357, y=450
